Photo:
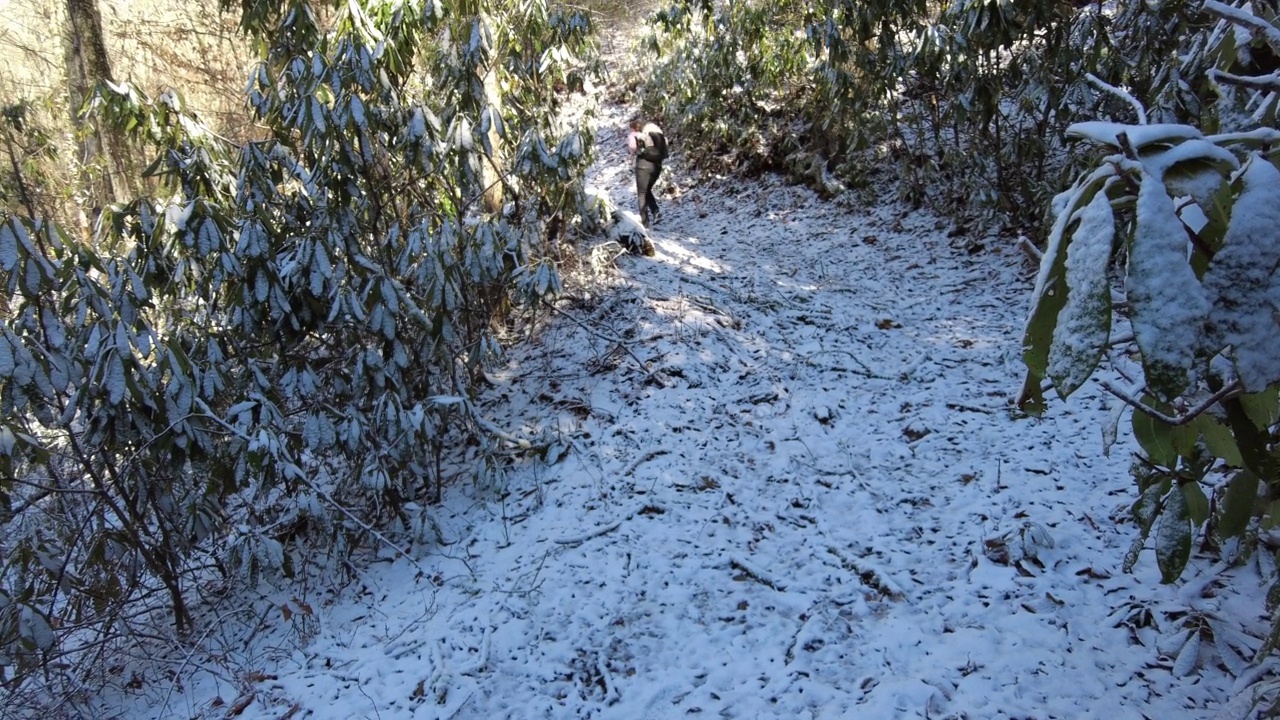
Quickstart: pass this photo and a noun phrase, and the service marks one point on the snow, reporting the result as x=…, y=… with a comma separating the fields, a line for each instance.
x=1084, y=323
x=1168, y=303
x=791, y=485
x=1241, y=282
x=1245, y=19
x=1191, y=150
x=1107, y=133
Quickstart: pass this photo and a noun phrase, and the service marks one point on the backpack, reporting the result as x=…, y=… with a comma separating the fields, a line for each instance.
x=655, y=147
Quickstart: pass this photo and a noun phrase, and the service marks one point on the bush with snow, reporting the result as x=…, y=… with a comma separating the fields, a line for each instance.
x=284, y=341
x=1181, y=225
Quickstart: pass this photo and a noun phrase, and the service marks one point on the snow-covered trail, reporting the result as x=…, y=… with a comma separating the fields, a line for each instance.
x=792, y=486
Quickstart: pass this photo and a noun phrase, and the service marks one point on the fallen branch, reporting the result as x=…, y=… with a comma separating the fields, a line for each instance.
x=621, y=344
x=578, y=540
x=969, y=408
x=643, y=459
x=756, y=574
x=1030, y=249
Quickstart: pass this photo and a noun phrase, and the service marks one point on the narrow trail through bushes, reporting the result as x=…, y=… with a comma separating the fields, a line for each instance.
x=786, y=482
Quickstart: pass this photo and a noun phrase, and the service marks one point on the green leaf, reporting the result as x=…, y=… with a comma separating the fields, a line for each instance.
x=1236, y=507
x=1197, y=503
x=1184, y=439
x=1263, y=408
x=1031, y=399
x=1218, y=440
x=1155, y=437
x=1173, y=537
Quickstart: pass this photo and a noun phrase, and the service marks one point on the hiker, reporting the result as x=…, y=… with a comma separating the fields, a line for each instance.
x=649, y=145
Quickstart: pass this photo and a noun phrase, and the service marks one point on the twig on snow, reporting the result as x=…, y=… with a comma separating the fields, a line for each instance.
x=605, y=530
x=969, y=408
x=621, y=344
x=631, y=468
x=645, y=508
x=756, y=574
x=611, y=694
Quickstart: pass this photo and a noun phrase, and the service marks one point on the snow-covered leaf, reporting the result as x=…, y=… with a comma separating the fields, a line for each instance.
x=1084, y=323
x=8, y=246
x=7, y=363
x=1140, y=136
x=1189, y=657
x=1242, y=283
x=1173, y=537
x=35, y=630
x=1049, y=294
x=1167, y=304
x=115, y=381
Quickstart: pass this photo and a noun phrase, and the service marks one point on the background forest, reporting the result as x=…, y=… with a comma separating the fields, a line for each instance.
x=259, y=256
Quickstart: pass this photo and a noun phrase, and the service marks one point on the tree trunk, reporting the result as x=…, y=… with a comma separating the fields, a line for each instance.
x=102, y=167
x=491, y=175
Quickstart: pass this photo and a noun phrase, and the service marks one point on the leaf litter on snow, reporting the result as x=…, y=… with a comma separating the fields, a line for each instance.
x=787, y=482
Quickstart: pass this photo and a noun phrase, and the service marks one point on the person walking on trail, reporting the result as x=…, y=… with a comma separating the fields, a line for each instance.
x=649, y=145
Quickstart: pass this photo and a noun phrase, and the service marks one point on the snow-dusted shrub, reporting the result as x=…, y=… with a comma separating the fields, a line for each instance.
x=964, y=104
x=285, y=340
x=1184, y=225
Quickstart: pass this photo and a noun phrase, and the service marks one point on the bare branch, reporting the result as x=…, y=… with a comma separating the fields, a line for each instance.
x=1172, y=420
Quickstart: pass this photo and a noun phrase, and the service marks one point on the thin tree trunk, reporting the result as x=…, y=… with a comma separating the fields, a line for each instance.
x=491, y=174
x=102, y=166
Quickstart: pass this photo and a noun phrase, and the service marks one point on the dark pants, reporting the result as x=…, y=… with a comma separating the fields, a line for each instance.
x=646, y=176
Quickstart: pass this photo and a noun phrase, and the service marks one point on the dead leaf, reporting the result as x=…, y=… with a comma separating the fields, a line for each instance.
x=239, y=706
x=997, y=551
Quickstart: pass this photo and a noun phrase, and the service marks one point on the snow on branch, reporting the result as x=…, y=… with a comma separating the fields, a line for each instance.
x=1120, y=93
x=1262, y=83
x=1267, y=136
x=1244, y=19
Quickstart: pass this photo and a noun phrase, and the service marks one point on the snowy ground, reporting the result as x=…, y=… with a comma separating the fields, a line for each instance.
x=792, y=487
